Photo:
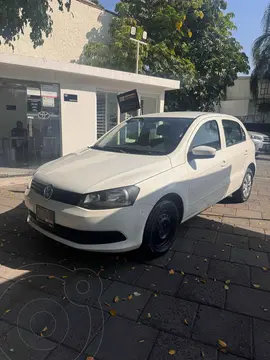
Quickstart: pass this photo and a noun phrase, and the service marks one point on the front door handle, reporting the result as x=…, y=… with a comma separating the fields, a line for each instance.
x=224, y=162
x=246, y=152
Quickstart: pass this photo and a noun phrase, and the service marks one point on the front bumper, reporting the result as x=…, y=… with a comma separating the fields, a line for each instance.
x=114, y=230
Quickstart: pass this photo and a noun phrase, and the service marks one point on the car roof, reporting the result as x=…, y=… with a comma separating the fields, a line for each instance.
x=181, y=114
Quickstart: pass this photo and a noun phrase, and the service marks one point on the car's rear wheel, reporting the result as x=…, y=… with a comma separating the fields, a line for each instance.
x=243, y=194
x=160, y=229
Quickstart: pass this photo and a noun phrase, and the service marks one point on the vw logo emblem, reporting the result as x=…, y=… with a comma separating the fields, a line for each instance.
x=43, y=115
x=48, y=191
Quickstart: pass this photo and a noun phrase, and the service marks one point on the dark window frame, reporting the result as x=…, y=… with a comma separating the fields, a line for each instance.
x=242, y=131
x=265, y=88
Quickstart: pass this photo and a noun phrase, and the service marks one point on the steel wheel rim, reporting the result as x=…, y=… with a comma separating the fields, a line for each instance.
x=163, y=230
x=247, y=185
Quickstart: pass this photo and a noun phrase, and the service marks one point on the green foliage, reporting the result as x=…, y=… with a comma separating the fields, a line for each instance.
x=15, y=15
x=261, y=55
x=188, y=40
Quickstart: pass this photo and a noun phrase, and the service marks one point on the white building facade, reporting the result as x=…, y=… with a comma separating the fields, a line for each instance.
x=63, y=107
x=49, y=106
x=240, y=103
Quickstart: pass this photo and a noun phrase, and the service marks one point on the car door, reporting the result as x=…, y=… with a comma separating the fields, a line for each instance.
x=209, y=177
x=236, y=152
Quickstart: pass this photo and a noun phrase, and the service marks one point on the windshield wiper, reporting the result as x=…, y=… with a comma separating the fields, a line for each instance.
x=108, y=148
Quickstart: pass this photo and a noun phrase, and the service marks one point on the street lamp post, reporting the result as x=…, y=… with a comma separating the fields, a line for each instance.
x=138, y=42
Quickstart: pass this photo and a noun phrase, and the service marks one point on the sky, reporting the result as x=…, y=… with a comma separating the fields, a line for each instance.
x=248, y=15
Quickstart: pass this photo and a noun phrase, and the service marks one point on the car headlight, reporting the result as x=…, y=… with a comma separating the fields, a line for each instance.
x=255, y=137
x=110, y=199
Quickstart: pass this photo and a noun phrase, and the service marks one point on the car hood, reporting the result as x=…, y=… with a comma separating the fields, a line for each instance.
x=92, y=170
x=255, y=133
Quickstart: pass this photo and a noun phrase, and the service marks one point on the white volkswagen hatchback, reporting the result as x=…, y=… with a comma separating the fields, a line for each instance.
x=134, y=186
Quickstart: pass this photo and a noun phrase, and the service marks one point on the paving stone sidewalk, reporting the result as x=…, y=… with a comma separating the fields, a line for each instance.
x=208, y=298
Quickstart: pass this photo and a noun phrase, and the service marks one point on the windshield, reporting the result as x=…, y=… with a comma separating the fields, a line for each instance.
x=145, y=136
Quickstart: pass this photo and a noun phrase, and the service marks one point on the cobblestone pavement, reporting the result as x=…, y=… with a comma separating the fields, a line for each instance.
x=208, y=298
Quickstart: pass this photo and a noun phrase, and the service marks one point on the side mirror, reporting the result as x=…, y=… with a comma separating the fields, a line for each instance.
x=203, y=152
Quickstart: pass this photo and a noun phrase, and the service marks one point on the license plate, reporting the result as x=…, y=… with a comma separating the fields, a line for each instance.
x=45, y=216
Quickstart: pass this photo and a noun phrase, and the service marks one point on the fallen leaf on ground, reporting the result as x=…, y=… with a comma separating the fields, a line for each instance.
x=205, y=260
x=51, y=277
x=133, y=268
x=228, y=244
x=227, y=282
x=112, y=312
x=155, y=295
x=116, y=299
x=172, y=352
x=90, y=358
x=141, y=341
x=129, y=297
x=64, y=276
x=257, y=286
x=182, y=273
x=265, y=268
x=136, y=293
x=226, y=287
x=149, y=316
x=186, y=322
x=7, y=311
x=107, y=304
x=204, y=281
x=222, y=343
x=43, y=331
x=171, y=272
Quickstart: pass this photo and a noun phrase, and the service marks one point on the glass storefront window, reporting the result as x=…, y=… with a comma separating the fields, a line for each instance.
x=107, y=112
x=29, y=124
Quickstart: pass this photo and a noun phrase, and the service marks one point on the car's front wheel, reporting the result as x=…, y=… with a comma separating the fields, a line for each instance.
x=160, y=229
x=243, y=194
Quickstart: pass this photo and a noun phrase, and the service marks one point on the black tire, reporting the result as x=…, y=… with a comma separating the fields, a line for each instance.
x=243, y=194
x=160, y=229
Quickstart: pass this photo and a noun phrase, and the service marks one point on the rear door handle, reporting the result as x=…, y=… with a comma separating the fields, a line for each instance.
x=224, y=162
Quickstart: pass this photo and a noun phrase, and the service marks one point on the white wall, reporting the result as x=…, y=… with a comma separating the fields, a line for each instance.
x=71, y=31
x=240, y=90
x=78, y=118
x=234, y=107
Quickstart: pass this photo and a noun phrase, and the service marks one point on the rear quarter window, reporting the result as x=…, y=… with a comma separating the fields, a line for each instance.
x=234, y=132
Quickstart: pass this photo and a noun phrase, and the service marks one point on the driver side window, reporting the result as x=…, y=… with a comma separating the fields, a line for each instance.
x=207, y=135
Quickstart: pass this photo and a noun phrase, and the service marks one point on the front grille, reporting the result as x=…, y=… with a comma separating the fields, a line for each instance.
x=79, y=236
x=266, y=138
x=63, y=196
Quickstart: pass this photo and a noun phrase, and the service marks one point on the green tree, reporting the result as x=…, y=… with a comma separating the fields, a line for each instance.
x=261, y=55
x=187, y=40
x=15, y=15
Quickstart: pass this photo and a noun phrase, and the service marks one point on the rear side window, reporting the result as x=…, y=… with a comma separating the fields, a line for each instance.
x=207, y=135
x=234, y=133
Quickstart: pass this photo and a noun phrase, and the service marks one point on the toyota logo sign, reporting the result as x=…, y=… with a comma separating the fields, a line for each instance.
x=43, y=115
x=48, y=191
